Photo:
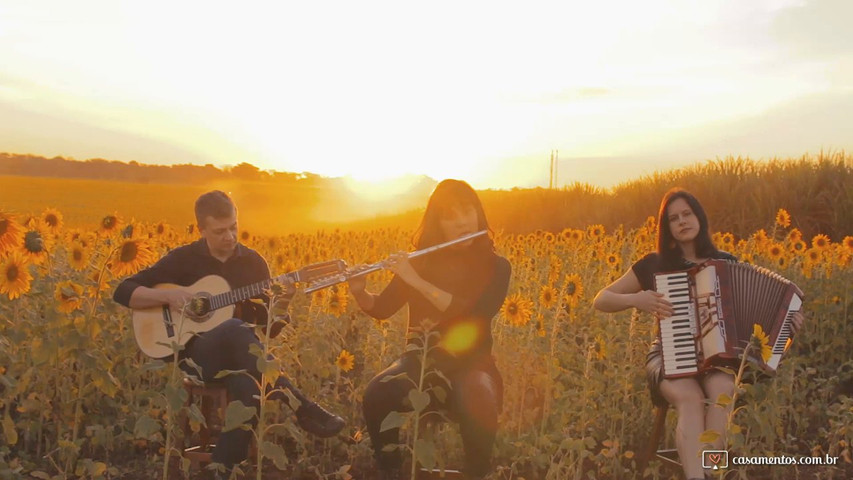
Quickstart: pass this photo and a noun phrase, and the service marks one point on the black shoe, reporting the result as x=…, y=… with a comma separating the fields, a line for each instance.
x=315, y=419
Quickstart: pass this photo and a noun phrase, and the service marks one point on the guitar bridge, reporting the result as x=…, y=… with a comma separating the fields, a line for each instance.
x=167, y=321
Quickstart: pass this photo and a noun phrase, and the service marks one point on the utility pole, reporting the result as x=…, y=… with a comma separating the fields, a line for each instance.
x=551, y=172
x=556, y=165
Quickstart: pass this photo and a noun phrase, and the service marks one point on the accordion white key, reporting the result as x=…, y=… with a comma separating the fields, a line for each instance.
x=716, y=305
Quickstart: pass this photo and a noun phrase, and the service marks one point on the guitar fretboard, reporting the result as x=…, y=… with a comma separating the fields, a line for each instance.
x=245, y=293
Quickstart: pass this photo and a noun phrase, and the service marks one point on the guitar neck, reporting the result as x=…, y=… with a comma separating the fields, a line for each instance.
x=244, y=293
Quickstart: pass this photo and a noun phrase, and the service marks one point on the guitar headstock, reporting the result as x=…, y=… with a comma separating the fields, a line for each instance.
x=320, y=270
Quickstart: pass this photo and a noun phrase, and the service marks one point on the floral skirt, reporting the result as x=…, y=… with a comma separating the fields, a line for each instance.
x=654, y=372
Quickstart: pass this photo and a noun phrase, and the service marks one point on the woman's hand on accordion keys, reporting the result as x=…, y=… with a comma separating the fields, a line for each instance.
x=653, y=302
x=796, y=322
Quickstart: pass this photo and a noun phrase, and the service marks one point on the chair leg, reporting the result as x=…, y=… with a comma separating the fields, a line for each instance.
x=654, y=440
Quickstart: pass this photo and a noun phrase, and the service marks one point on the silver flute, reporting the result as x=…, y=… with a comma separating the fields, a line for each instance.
x=348, y=273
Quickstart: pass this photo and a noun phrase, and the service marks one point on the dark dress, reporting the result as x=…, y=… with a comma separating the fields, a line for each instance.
x=645, y=269
x=475, y=389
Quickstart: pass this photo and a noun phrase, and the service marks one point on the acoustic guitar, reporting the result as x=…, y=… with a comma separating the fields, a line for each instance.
x=157, y=329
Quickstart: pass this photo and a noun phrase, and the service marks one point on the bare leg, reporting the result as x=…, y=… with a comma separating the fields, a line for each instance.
x=688, y=399
x=716, y=418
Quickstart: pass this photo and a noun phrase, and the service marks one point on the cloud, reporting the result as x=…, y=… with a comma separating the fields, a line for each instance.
x=816, y=29
x=805, y=125
x=52, y=135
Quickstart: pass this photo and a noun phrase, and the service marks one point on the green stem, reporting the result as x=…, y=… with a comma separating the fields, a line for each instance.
x=418, y=414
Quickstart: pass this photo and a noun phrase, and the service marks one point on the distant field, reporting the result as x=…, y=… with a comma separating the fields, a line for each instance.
x=264, y=207
x=738, y=194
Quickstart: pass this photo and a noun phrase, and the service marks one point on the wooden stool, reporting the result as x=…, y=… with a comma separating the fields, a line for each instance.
x=669, y=455
x=214, y=399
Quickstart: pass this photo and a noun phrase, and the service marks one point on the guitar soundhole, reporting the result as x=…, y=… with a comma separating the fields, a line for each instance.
x=199, y=307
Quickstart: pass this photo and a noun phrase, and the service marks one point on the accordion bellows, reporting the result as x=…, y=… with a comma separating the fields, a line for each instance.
x=716, y=305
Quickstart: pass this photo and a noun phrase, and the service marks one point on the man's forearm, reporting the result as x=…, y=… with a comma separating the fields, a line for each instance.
x=144, y=297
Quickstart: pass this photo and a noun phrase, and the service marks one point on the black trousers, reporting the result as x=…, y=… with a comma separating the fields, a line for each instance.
x=226, y=347
x=474, y=399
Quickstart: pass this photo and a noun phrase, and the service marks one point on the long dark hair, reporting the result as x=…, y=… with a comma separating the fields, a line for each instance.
x=447, y=195
x=668, y=248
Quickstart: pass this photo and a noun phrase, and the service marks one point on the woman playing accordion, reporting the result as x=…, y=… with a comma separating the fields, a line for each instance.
x=683, y=242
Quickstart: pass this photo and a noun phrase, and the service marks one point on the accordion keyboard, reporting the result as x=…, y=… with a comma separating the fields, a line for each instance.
x=677, y=331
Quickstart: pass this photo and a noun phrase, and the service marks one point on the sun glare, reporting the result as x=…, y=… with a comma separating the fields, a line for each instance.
x=379, y=188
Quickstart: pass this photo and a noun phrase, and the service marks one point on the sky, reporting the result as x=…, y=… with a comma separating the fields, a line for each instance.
x=482, y=91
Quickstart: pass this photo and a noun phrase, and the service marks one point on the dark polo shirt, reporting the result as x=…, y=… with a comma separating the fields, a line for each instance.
x=187, y=264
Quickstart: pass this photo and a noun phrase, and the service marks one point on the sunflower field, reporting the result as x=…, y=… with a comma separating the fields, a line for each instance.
x=78, y=399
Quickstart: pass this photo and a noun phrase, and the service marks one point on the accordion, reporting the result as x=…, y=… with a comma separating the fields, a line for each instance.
x=716, y=305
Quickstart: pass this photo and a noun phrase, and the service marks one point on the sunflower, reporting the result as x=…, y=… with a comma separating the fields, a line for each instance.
x=547, y=296
x=795, y=235
x=760, y=342
x=612, y=260
x=345, y=361
x=540, y=325
x=728, y=240
x=78, y=256
x=94, y=278
x=10, y=233
x=337, y=300
x=162, y=229
x=130, y=229
x=820, y=241
x=798, y=246
x=782, y=262
x=272, y=244
x=36, y=244
x=15, y=276
x=783, y=218
x=549, y=237
x=842, y=259
x=318, y=298
x=131, y=255
x=517, y=310
x=848, y=243
x=109, y=225
x=555, y=266
x=717, y=238
x=595, y=231
x=573, y=289
x=760, y=237
x=577, y=235
x=813, y=255
x=52, y=219
x=245, y=236
x=69, y=295
x=600, y=347
x=774, y=251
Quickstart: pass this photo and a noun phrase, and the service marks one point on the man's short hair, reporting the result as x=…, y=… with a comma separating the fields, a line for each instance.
x=216, y=204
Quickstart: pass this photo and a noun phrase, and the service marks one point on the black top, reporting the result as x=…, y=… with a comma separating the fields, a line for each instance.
x=187, y=264
x=476, y=301
x=648, y=266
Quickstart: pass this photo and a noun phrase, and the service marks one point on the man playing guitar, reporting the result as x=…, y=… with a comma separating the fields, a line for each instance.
x=226, y=346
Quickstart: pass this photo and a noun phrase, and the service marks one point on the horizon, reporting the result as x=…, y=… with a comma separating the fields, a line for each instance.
x=293, y=88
